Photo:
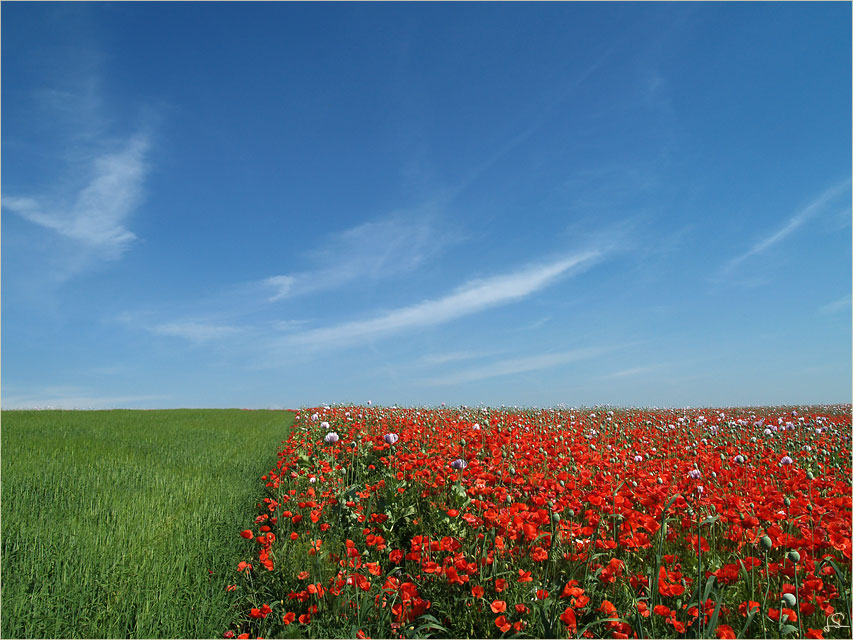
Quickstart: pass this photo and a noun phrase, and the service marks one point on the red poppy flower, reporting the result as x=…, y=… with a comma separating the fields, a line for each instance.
x=524, y=467
x=539, y=554
x=569, y=619
x=502, y=623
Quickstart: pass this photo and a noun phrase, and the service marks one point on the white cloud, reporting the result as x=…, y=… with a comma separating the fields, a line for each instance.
x=842, y=304
x=633, y=372
x=73, y=398
x=455, y=356
x=794, y=223
x=281, y=286
x=288, y=325
x=196, y=332
x=96, y=216
x=473, y=297
x=536, y=324
x=545, y=112
x=369, y=251
x=519, y=365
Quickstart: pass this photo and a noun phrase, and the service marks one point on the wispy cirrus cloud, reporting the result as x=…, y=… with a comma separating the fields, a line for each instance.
x=453, y=356
x=69, y=397
x=794, y=222
x=195, y=332
x=368, y=252
x=195, y=329
x=523, y=364
x=473, y=297
x=280, y=286
x=842, y=304
x=373, y=250
x=91, y=179
x=96, y=216
x=634, y=371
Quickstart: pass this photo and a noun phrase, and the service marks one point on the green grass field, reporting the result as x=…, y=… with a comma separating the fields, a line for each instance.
x=124, y=523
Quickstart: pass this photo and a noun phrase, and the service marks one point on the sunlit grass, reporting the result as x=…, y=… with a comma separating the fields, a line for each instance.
x=121, y=523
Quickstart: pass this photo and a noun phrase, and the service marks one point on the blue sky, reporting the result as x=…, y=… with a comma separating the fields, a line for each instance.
x=279, y=205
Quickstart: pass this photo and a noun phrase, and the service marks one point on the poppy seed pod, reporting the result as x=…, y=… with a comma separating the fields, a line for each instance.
x=794, y=556
x=790, y=599
x=766, y=543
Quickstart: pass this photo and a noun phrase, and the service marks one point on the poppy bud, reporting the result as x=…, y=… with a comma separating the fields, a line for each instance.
x=787, y=501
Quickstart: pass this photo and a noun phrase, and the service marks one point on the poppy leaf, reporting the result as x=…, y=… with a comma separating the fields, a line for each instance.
x=746, y=624
x=712, y=623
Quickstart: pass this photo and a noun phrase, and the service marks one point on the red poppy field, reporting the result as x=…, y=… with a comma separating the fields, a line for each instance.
x=394, y=523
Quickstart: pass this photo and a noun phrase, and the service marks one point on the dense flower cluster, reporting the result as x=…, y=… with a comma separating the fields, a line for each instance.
x=481, y=523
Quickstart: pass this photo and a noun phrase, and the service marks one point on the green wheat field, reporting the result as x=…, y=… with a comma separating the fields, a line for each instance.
x=122, y=524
